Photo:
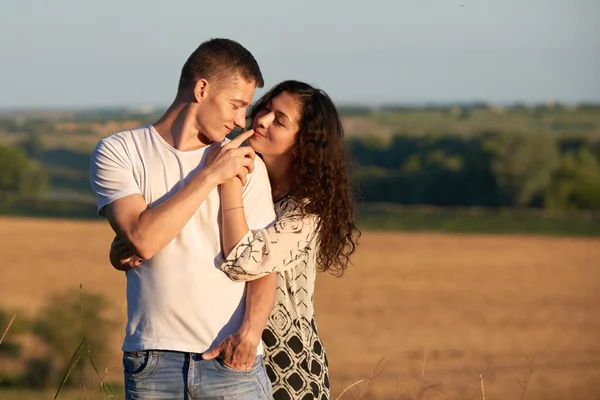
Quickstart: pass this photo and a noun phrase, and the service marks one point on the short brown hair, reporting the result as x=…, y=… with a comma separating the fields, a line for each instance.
x=217, y=59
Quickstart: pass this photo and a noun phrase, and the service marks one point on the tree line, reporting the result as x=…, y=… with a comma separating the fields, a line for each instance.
x=489, y=169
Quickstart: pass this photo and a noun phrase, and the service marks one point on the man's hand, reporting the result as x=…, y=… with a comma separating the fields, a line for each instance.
x=122, y=257
x=238, y=350
x=231, y=160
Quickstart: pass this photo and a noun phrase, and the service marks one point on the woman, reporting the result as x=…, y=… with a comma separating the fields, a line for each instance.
x=299, y=136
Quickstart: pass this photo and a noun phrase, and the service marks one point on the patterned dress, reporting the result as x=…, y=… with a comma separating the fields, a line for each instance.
x=295, y=358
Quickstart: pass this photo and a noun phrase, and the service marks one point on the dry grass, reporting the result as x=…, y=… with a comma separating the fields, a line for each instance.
x=475, y=303
x=441, y=310
x=7, y=328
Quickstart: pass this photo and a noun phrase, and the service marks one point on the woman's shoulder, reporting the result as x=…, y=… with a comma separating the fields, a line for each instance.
x=290, y=206
x=291, y=218
x=286, y=204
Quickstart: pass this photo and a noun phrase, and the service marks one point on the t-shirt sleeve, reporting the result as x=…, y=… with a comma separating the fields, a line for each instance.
x=281, y=247
x=111, y=174
x=257, y=198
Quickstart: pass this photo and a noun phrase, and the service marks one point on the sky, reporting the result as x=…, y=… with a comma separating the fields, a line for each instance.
x=68, y=53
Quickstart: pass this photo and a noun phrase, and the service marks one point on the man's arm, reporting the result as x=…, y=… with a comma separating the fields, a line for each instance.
x=147, y=230
x=260, y=299
x=238, y=350
x=260, y=293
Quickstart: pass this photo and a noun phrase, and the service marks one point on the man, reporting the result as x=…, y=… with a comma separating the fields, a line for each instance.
x=155, y=189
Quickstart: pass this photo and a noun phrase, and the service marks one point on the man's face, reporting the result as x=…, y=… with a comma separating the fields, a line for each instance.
x=224, y=108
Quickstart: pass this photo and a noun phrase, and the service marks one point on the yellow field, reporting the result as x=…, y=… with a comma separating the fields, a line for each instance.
x=464, y=304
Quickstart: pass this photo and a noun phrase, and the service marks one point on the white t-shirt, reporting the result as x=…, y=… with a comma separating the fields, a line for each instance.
x=178, y=300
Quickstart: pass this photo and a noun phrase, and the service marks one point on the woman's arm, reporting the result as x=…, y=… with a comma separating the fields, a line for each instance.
x=239, y=349
x=233, y=217
x=280, y=247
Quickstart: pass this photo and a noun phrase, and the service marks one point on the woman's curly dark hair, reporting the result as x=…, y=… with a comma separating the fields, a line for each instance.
x=320, y=182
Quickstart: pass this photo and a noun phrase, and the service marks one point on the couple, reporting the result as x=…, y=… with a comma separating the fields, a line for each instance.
x=282, y=210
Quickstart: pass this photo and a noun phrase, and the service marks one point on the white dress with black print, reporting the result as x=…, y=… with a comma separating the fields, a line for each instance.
x=295, y=358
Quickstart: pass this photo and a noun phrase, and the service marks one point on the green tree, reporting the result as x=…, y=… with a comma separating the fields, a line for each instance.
x=19, y=176
x=523, y=165
x=576, y=183
x=33, y=145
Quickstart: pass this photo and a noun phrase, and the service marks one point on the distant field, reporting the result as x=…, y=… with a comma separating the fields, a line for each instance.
x=465, y=304
x=391, y=217
x=396, y=217
x=459, y=120
x=80, y=132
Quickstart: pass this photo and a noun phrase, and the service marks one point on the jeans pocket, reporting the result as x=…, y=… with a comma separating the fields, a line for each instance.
x=258, y=363
x=140, y=364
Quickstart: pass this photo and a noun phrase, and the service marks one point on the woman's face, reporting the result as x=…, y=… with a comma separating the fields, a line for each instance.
x=275, y=126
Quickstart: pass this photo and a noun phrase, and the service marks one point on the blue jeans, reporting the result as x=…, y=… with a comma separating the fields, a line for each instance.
x=157, y=374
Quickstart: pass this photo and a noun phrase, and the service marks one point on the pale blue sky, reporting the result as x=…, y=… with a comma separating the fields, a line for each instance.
x=64, y=53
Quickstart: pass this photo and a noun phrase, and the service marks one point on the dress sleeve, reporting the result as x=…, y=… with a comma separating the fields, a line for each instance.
x=281, y=247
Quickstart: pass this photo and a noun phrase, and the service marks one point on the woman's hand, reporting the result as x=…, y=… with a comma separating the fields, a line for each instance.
x=122, y=257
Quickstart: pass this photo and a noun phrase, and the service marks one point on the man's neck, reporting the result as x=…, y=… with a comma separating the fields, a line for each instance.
x=179, y=128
